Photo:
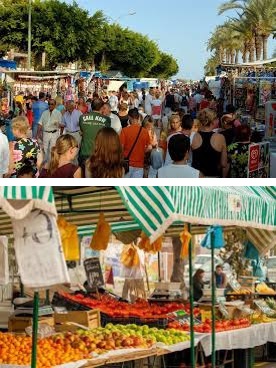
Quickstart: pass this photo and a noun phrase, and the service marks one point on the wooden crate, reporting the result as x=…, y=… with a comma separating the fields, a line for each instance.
x=18, y=324
x=90, y=319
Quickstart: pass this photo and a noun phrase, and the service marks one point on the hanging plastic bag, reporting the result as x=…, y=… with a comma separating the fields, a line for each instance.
x=185, y=238
x=101, y=235
x=38, y=251
x=214, y=237
x=130, y=256
x=251, y=252
x=69, y=238
x=4, y=261
x=145, y=244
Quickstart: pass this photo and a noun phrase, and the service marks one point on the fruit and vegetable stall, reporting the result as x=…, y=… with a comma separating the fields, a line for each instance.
x=97, y=328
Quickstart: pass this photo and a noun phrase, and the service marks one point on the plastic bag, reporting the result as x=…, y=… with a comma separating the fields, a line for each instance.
x=101, y=235
x=38, y=251
x=214, y=237
x=130, y=256
x=145, y=244
x=69, y=238
x=4, y=261
x=185, y=238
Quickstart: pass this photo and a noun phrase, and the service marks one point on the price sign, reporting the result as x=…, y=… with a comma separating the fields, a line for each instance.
x=93, y=272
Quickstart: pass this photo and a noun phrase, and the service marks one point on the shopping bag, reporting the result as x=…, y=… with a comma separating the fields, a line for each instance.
x=4, y=261
x=38, y=251
x=101, y=235
x=70, y=240
x=214, y=237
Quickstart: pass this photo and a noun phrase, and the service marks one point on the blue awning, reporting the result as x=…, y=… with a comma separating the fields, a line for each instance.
x=9, y=64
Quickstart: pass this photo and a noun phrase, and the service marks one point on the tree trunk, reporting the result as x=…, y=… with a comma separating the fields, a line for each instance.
x=258, y=47
x=251, y=51
x=227, y=57
x=245, y=52
x=237, y=56
x=178, y=263
x=232, y=57
x=224, y=55
x=265, y=41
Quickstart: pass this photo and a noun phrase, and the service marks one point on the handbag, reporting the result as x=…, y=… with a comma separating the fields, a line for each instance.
x=126, y=159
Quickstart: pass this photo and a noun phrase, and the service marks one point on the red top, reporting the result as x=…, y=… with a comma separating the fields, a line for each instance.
x=65, y=171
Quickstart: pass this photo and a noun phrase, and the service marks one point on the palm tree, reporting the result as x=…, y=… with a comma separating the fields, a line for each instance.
x=260, y=15
x=246, y=36
x=263, y=16
x=226, y=43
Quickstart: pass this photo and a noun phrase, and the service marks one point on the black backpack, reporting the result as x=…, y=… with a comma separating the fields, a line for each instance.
x=170, y=100
x=184, y=101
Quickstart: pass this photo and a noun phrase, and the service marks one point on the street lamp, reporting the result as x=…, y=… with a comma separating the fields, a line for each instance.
x=29, y=34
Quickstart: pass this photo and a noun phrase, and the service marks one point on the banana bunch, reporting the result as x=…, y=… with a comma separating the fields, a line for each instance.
x=130, y=257
x=261, y=318
x=242, y=291
x=145, y=244
x=262, y=288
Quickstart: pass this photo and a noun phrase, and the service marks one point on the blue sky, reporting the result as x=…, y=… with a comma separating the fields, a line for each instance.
x=180, y=27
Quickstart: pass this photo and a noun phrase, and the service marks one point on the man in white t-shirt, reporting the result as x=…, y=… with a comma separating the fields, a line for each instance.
x=198, y=97
x=179, y=147
x=4, y=154
x=156, y=105
x=115, y=121
x=148, y=101
x=114, y=102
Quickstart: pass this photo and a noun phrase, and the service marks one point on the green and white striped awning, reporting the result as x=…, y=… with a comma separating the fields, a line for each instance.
x=156, y=208
x=18, y=201
x=116, y=227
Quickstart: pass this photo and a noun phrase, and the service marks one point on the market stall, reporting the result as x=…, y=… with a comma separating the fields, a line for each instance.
x=154, y=210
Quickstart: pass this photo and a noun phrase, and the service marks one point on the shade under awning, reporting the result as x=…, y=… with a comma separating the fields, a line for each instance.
x=156, y=208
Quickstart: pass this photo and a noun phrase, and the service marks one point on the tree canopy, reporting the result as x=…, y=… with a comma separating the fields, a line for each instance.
x=67, y=33
x=247, y=33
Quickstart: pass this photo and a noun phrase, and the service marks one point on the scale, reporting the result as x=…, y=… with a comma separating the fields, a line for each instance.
x=207, y=296
x=166, y=291
x=26, y=308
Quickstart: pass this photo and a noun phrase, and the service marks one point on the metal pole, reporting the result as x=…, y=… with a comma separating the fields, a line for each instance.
x=29, y=34
x=35, y=328
x=159, y=267
x=192, y=333
x=213, y=281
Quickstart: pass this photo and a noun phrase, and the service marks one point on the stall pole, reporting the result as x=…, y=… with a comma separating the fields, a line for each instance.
x=213, y=284
x=47, y=299
x=35, y=328
x=193, y=362
x=159, y=267
x=22, y=291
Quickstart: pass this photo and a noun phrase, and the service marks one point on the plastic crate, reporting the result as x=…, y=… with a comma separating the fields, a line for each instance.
x=159, y=323
x=59, y=301
x=105, y=319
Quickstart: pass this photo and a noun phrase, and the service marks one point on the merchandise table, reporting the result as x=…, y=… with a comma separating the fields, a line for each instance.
x=246, y=338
